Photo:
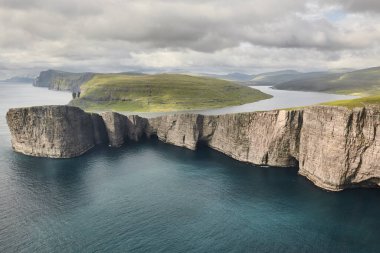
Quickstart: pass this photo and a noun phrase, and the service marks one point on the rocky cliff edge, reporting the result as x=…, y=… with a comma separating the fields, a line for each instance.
x=334, y=147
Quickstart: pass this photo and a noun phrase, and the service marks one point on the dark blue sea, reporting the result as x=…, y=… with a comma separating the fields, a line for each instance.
x=153, y=197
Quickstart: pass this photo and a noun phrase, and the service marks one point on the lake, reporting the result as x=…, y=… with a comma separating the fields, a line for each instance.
x=281, y=99
x=154, y=197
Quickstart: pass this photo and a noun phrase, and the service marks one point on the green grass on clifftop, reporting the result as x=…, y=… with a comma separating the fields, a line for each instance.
x=162, y=92
x=358, y=102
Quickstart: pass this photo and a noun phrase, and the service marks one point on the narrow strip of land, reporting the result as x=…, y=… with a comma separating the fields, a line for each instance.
x=162, y=92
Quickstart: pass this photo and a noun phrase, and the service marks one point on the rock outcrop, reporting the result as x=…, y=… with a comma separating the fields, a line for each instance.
x=263, y=138
x=66, y=131
x=340, y=148
x=183, y=130
x=121, y=128
x=61, y=80
x=334, y=147
x=116, y=126
x=51, y=131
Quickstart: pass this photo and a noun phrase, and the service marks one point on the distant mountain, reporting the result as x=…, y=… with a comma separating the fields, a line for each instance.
x=62, y=80
x=232, y=76
x=336, y=81
x=341, y=70
x=359, y=81
x=132, y=73
x=18, y=79
x=238, y=76
x=277, y=73
x=273, y=78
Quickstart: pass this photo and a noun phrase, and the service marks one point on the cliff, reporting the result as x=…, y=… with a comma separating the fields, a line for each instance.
x=340, y=148
x=51, y=131
x=334, y=147
x=66, y=131
x=60, y=80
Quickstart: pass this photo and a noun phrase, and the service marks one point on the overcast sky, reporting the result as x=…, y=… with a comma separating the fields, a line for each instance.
x=217, y=36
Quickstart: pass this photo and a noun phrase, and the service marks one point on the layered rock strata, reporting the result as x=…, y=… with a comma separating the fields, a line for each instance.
x=66, y=131
x=60, y=80
x=340, y=148
x=334, y=147
x=52, y=131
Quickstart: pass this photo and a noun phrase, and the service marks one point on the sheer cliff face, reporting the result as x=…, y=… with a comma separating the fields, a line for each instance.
x=335, y=148
x=340, y=148
x=264, y=138
x=59, y=80
x=182, y=130
x=51, y=131
x=121, y=128
x=65, y=131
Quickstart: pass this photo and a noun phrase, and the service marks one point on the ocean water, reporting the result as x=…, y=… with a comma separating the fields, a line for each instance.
x=153, y=197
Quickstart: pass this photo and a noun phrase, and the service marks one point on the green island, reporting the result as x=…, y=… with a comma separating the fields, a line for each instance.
x=162, y=92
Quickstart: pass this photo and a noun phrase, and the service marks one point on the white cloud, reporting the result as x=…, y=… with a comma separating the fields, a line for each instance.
x=209, y=35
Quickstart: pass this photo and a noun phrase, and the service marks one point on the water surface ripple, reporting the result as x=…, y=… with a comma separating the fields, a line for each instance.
x=153, y=197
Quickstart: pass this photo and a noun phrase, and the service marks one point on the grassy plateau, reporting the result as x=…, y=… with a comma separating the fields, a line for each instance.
x=363, y=83
x=161, y=92
x=358, y=102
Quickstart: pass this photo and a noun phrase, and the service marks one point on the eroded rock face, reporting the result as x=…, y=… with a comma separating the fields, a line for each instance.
x=334, y=147
x=116, y=127
x=340, y=148
x=100, y=131
x=51, y=131
x=263, y=138
x=182, y=130
x=121, y=128
x=66, y=131
x=60, y=80
x=136, y=128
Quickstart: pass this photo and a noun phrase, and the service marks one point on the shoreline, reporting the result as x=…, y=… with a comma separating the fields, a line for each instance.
x=314, y=138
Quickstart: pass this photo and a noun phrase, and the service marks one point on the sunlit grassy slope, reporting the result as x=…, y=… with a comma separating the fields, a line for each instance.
x=162, y=92
x=365, y=82
x=359, y=102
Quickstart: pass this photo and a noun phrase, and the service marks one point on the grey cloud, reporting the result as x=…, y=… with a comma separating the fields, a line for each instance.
x=206, y=26
x=357, y=5
x=319, y=34
x=69, y=8
x=115, y=34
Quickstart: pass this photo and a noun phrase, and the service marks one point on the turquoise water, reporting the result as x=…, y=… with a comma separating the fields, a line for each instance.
x=153, y=197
